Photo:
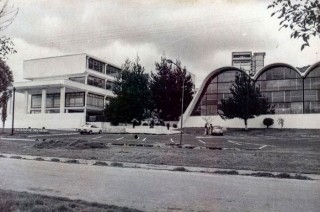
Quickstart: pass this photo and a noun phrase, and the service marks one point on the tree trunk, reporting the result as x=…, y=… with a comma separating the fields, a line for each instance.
x=246, y=124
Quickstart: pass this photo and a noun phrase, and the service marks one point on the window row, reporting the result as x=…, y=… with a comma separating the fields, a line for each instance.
x=94, y=81
x=72, y=100
x=102, y=67
x=284, y=88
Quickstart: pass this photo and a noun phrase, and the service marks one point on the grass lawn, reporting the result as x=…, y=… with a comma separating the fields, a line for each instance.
x=23, y=201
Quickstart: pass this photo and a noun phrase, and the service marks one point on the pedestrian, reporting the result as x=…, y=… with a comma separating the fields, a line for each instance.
x=168, y=126
x=206, y=129
x=210, y=129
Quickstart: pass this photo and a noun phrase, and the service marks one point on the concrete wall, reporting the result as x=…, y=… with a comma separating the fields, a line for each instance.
x=302, y=121
x=54, y=66
x=48, y=120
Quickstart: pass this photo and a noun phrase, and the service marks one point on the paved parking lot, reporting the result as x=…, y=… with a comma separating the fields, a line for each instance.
x=238, y=142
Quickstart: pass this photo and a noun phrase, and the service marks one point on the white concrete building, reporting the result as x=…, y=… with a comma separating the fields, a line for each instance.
x=64, y=91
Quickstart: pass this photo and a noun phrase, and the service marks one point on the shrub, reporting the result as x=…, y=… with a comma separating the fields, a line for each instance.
x=174, y=126
x=100, y=163
x=268, y=122
x=145, y=124
x=230, y=172
x=55, y=160
x=72, y=161
x=117, y=164
x=180, y=169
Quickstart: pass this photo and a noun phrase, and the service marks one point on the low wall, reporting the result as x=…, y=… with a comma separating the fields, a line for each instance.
x=298, y=121
x=48, y=120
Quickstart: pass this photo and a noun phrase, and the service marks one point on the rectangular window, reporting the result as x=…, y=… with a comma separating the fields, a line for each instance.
x=95, y=81
x=53, y=100
x=272, y=85
x=36, y=101
x=278, y=96
x=96, y=65
x=109, y=85
x=311, y=95
x=75, y=99
x=95, y=100
x=112, y=71
x=296, y=96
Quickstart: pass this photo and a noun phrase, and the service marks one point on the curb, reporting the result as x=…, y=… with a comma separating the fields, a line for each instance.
x=148, y=166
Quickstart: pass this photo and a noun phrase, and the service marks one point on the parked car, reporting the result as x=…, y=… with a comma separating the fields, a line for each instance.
x=217, y=130
x=89, y=128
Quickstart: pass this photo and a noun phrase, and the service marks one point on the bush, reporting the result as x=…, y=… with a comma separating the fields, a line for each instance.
x=144, y=124
x=174, y=126
x=180, y=169
x=268, y=122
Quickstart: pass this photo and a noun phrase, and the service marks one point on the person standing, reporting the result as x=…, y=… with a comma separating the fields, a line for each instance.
x=206, y=129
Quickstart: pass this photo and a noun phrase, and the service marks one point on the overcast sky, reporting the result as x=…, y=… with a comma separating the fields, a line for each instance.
x=202, y=34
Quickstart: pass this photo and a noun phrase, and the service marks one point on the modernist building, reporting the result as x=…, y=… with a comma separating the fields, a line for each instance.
x=295, y=96
x=64, y=91
x=248, y=61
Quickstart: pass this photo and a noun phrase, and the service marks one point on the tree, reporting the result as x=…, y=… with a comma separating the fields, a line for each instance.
x=166, y=89
x=268, y=122
x=6, y=80
x=132, y=94
x=301, y=16
x=246, y=101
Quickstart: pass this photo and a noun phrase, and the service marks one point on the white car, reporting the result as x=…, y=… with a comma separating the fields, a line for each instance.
x=217, y=130
x=89, y=128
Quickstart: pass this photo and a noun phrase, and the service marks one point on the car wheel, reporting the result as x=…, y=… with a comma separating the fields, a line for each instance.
x=81, y=133
x=100, y=131
x=90, y=132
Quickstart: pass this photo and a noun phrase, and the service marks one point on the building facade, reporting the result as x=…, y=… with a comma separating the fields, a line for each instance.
x=295, y=96
x=64, y=91
x=248, y=61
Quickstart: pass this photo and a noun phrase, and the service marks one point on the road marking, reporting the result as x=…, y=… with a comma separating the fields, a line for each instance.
x=32, y=136
x=97, y=137
x=263, y=146
x=144, y=139
x=234, y=142
x=171, y=140
x=119, y=138
x=17, y=139
x=202, y=141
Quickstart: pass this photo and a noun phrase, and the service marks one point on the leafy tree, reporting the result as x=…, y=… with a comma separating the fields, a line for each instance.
x=132, y=94
x=6, y=80
x=268, y=122
x=301, y=16
x=246, y=101
x=166, y=89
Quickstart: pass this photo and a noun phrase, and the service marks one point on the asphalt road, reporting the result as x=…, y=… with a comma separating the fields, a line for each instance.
x=153, y=190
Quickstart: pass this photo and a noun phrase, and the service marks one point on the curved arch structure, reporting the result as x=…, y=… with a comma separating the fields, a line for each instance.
x=201, y=92
x=275, y=65
x=296, y=96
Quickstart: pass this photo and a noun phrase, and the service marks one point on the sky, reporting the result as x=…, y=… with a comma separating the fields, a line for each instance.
x=201, y=34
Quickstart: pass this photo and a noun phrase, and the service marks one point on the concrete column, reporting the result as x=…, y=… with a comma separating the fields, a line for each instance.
x=62, y=99
x=85, y=106
x=26, y=101
x=43, y=100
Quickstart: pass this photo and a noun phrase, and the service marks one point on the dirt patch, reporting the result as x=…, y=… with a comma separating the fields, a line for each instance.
x=78, y=144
